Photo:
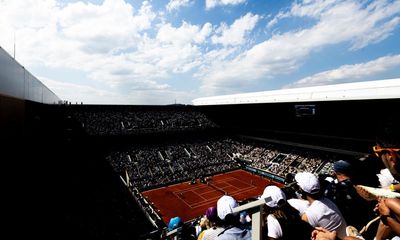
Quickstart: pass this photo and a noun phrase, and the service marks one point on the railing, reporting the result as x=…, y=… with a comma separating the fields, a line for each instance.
x=256, y=218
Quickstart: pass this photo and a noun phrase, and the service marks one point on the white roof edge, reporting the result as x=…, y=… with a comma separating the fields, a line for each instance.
x=379, y=89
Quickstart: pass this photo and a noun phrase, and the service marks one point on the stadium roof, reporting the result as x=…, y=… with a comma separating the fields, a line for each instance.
x=381, y=89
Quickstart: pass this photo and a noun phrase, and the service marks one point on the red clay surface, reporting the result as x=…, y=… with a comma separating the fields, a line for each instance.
x=191, y=201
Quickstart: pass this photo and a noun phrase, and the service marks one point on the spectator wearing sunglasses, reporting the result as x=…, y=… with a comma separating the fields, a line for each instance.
x=388, y=150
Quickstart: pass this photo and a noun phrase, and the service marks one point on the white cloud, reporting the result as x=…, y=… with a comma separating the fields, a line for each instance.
x=104, y=28
x=235, y=34
x=107, y=42
x=77, y=93
x=81, y=93
x=379, y=34
x=214, y=3
x=140, y=52
x=176, y=4
x=73, y=35
x=350, y=73
x=337, y=22
x=185, y=34
x=357, y=23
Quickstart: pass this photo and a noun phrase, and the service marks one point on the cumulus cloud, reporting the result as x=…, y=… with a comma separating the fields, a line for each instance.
x=362, y=24
x=81, y=93
x=77, y=93
x=108, y=42
x=176, y=4
x=141, y=52
x=214, y=3
x=336, y=22
x=104, y=28
x=185, y=34
x=235, y=34
x=349, y=73
x=54, y=35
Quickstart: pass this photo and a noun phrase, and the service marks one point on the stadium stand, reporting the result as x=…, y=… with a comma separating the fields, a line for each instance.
x=90, y=171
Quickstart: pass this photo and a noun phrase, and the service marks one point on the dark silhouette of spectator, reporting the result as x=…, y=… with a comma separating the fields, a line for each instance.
x=388, y=150
x=341, y=191
x=282, y=220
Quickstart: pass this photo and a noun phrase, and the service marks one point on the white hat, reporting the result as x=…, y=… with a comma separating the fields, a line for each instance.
x=276, y=194
x=308, y=182
x=225, y=205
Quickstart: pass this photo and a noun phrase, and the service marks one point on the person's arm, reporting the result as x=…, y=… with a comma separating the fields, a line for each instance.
x=388, y=209
x=304, y=218
x=383, y=231
x=394, y=205
x=394, y=220
x=323, y=234
x=392, y=223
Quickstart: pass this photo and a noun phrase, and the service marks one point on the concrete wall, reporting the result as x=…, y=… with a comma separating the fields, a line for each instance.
x=17, y=82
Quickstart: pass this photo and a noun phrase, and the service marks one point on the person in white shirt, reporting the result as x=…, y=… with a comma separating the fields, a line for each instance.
x=283, y=221
x=230, y=221
x=321, y=211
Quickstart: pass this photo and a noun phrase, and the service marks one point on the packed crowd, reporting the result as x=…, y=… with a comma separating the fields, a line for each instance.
x=154, y=166
x=311, y=207
x=307, y=209
x=159, y=165
x=99, y=121
x=283, y=160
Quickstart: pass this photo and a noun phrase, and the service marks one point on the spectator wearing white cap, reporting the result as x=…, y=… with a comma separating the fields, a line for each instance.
x=283, y=221
x=230, y=221
x=321, y=212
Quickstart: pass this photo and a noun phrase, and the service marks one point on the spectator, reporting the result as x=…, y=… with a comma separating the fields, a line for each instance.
x=174, y=223
x=230, y=221
x=214, y=225
x=321, y=211
x=184, y=232
x=283, y=221
x=388, y=150
x=342, y=192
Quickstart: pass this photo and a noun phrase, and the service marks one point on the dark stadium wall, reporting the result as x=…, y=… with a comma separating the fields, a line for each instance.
x=12, y=112
x=17, y=85
x=345, y=119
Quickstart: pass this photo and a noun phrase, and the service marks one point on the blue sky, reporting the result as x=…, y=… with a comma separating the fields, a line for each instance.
x=162, y=51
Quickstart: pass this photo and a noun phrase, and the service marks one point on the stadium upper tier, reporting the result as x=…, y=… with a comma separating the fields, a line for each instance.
x=17, y=82
x=381, y=89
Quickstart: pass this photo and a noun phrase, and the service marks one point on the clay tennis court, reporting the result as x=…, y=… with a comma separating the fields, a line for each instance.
x=191, y=201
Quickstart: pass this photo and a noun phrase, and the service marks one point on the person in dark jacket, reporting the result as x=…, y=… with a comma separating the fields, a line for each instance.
x=355, y=210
